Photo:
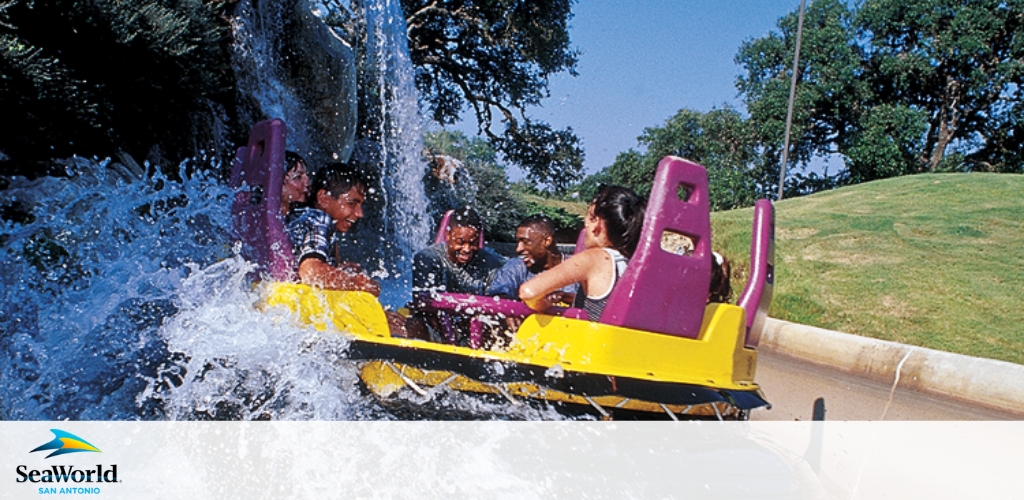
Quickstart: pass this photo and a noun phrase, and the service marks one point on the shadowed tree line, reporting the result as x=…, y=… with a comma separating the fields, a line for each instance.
x=153, y=78
x=893, y=87
x=95, y=78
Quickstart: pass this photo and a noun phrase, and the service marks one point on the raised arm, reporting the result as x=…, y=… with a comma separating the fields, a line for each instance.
x=315, y=272
x=580, y=268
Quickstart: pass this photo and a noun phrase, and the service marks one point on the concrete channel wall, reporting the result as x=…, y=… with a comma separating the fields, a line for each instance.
x=996, y=384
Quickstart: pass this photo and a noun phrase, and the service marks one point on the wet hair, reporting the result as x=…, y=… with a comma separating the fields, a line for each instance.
x=466, y=217
x=541, y=222
x=292, y=160
x=622, y=211
x=338, y=178
x=720, y=289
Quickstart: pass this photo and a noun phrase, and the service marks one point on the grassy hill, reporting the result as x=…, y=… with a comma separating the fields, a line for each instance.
x=928, y=260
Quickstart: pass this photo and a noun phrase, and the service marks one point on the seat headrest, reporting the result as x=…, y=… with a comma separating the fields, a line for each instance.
x=663, y=291
x=257, y=175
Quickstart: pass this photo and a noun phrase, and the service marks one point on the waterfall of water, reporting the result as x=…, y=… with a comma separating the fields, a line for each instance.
x=121, y=296
x=272, y=73
x=405, y=202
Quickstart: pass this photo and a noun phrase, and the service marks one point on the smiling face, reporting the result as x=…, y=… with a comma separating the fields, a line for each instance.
x=345, y=209
x=532, y=245
x=296, y=184
x=463, y=243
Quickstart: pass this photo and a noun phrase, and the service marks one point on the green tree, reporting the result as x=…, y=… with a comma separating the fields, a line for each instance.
x=495, y=57
x=484, y=185
x=960, y=61
x=720, y=140
x=1001, y=151
x=94, y=77
x=831, y=95
x=894, y=86
x=887, y=144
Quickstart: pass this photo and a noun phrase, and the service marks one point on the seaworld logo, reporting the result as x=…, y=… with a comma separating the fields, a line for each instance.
x=66, y=442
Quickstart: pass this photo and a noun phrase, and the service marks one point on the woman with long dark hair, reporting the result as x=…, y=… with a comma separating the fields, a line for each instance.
x=612, y=231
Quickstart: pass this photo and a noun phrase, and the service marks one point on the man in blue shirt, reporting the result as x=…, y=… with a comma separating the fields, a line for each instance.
x=538, y=252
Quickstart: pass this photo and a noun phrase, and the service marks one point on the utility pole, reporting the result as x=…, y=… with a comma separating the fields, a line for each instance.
x=792, y=96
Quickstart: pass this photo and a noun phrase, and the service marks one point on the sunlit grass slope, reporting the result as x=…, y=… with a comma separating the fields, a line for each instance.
x=928, y=260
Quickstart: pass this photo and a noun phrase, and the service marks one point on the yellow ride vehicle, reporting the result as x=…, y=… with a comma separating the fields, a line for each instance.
x=659, y=349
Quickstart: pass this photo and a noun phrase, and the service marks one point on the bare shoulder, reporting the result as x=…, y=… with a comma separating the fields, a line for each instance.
x=591, y=256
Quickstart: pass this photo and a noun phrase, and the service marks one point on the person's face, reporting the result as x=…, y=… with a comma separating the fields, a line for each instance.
x=463, y=243
x=345, y=209
x=532, y=246
x=594, y=229
x=296, y=184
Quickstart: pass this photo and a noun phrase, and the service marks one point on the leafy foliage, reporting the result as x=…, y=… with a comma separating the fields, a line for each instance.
x=886, y=145
x=92, y=77
x=831, y=92
x=720, y=140
x=495, y=56
x=895, y=86
x=960, y=61
x=484, y=184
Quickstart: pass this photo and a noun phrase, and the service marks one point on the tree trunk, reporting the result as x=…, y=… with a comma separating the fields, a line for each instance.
x=949, y=118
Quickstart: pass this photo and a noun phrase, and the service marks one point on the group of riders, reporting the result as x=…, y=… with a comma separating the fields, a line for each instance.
x=317, y=210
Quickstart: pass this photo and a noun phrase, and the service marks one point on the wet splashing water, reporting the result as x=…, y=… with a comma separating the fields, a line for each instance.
x=124, y=299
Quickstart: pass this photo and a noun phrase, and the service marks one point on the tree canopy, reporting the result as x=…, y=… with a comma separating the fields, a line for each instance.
x=960, y=62
x=495, y=57
x=720, y=140
x=96, y=77
x=150, y=77
x=895, y=86
x=483, y=185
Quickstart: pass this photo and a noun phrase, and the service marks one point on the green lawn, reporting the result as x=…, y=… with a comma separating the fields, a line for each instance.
x=928, y=260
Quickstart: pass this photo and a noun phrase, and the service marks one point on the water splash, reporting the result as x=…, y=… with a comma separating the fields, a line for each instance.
x=239, y=363
x=92, y=265
x=123, y=297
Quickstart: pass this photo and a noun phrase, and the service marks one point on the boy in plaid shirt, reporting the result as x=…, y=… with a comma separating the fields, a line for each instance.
x=337, y=197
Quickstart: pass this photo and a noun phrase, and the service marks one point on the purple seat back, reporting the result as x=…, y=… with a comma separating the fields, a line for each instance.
x=757, y=296
x=662, y=291
x=257, y=175
x=442, y=230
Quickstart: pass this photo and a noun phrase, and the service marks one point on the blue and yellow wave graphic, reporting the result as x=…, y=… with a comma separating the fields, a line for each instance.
x=66, y=442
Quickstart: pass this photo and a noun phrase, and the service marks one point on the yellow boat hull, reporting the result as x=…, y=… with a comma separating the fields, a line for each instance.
x=550, y=358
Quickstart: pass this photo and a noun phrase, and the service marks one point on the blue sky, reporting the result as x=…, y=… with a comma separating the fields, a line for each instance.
x=643, y=60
